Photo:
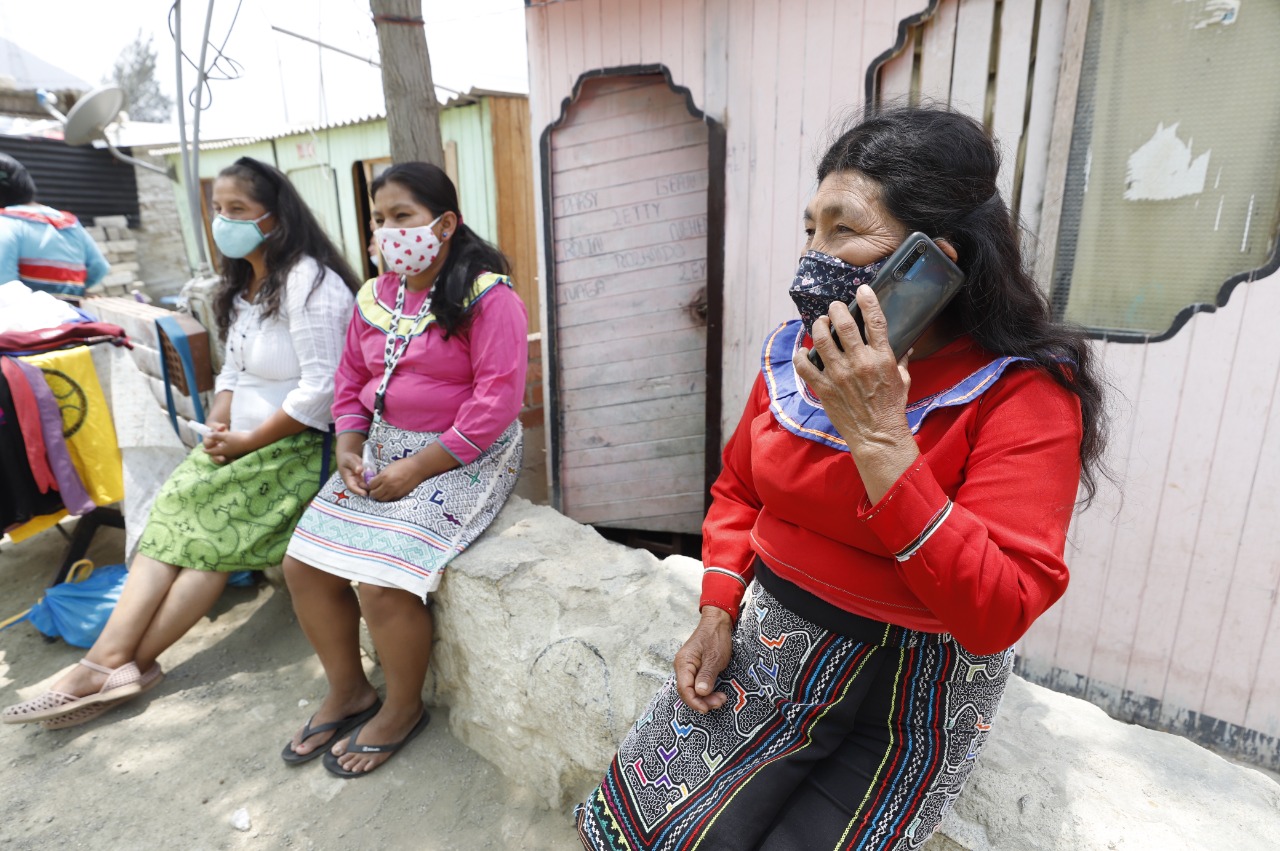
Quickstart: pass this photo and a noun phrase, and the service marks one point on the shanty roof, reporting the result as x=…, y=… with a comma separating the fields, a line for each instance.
x=23, y=71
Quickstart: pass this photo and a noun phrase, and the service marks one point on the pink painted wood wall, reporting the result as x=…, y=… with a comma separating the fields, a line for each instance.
x=1172, y=615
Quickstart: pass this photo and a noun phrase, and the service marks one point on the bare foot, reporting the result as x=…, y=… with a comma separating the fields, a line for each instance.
x=390, y=725
x=334, y=708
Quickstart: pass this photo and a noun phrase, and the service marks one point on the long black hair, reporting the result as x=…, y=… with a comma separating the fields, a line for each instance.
x=469, y=254
x=937, y=172
x=296, y=234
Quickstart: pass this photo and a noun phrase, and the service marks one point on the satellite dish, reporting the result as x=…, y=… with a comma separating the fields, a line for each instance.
x=89, y=118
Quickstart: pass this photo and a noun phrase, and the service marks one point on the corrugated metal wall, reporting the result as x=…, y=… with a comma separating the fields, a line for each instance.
x=83, y=180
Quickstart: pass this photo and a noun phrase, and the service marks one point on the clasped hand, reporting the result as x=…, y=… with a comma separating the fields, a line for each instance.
x=391, y=483
x=225, y=446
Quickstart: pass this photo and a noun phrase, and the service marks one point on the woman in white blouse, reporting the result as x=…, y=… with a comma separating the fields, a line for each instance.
x=282, y=307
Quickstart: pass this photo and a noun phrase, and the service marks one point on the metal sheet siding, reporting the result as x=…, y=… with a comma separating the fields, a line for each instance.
x=82, y=180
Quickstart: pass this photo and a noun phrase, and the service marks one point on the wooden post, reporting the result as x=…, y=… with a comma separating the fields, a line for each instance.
x=413, y=113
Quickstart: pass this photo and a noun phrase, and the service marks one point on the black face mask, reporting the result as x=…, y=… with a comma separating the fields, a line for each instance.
x=821, y=279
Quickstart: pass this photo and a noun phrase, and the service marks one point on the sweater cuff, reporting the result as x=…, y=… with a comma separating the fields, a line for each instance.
x=459, y=447
x=352, y=422
x=723, y=589
x=909, y=511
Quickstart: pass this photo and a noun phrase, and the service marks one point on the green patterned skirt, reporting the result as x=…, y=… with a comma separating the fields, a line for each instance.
x=238, y=516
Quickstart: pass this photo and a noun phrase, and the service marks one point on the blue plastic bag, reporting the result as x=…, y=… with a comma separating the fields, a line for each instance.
x=76, y=612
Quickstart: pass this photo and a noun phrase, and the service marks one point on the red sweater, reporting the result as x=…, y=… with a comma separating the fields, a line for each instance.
x=1009, y=459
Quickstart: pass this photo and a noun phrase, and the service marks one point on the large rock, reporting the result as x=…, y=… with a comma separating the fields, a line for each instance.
x=551, y=640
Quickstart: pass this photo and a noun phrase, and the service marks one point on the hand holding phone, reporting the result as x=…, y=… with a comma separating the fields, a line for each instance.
x=914, y=286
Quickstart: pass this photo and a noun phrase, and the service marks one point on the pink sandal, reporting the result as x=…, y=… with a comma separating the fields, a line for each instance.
x=123, y=682
x=85, y=714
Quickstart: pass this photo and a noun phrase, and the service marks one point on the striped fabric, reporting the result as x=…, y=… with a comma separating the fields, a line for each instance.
x=826, y=742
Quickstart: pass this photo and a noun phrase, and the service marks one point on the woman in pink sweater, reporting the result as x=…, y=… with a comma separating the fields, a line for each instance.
x=429, y=448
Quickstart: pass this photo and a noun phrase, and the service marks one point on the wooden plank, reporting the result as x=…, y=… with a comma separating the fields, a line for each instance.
x=686, y=426
x=639, y=489
x=621, y=475
x=1144, y=405
x=1093, y=532
x=736, y=373
x=574, y=51
x=607, y=299
x=641, y=141
x=592, y=35
x=650, y=43
x=670, y=51
x=611, y=33
x=650, y=117
x=688, y=524
x=694, y=37
x=625, y=327
x=1231, y=675
x=971, y=68
x=1264, y=701
x=658, y=254
x=636, y=391
x=1013, y=69
x=513, y=176
x=1203, y=391
x=630, y=510
x=655, y=234
x=612, y=97
x=638, y=412
x=786, y=148
x=662, y=164
x=558, y=71
x=635, y=366
x=649, y=449
x=671, y=341
x=715, y=26
x=938, y=44
x=622, y=217
x=629, y=35
x=1064, y=114
x=815, y=96
x=1044, y=91
x=628, y=194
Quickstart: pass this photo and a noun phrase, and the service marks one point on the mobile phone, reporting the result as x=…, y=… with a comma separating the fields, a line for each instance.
x=914, y=285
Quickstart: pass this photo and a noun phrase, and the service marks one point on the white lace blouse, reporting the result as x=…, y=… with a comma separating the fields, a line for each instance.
x=289, y=360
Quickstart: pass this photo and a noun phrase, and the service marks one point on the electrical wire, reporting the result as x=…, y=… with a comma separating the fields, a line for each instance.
x=222, y=69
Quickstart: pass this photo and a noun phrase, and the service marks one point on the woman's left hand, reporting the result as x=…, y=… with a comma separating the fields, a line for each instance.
x=864, y=391
x=226, y=446
x=396, y=479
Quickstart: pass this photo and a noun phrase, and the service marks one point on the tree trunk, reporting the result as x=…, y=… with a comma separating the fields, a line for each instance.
x=413, y=113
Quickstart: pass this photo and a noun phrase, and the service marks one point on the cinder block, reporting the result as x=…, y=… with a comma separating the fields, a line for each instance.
x=123, y=246
x=119, y=278
x=111, y=222
x=118, y=234
x=98, y=233
x=128, y=266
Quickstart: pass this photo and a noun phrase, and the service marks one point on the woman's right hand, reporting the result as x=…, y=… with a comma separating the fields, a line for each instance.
x=702, y=658
x=351, y=468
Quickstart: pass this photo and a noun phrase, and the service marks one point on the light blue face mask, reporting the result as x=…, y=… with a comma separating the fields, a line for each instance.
x=237, y=237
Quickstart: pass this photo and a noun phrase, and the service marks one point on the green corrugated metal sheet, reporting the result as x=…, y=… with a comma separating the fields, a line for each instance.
x=302, y=155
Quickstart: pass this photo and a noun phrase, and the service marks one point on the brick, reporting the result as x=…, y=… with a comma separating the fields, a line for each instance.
x=531, y=417
x=111, y=222
x=99, y=234
x=119, y=278
x=124, y=267
x=118, y=234
x=123, y=246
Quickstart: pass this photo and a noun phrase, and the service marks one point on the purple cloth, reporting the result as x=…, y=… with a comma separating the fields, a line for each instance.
x=74, y=496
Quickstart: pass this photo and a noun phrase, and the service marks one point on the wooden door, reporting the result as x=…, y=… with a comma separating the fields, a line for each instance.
x=628, y=194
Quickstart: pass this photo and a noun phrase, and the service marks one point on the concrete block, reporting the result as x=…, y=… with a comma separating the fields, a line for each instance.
x=111, y=222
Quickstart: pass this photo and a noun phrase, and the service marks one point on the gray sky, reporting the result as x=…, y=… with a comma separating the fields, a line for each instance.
x=473, y=43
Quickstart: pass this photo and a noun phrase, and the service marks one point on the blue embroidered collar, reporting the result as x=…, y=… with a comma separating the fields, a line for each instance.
x=798, y=411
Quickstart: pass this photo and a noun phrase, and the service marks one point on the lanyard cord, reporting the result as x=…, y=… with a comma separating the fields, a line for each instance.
x=396, y=345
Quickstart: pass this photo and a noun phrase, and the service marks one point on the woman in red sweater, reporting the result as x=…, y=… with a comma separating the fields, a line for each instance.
x=894, y=528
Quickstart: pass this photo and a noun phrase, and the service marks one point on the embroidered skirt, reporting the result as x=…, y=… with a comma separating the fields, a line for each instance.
x=827, y=741
x=407, y=543
x=235, y=516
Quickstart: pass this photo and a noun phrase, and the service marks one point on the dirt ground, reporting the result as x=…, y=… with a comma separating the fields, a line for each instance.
x=172, y=768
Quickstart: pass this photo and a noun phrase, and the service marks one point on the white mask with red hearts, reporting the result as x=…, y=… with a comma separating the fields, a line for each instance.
x=409, y=251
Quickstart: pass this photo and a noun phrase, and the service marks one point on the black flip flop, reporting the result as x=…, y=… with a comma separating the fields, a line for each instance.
x=353, y=746
x=340, y=728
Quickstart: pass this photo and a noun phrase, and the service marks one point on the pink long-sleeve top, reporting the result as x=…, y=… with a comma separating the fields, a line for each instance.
x=468, y=387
